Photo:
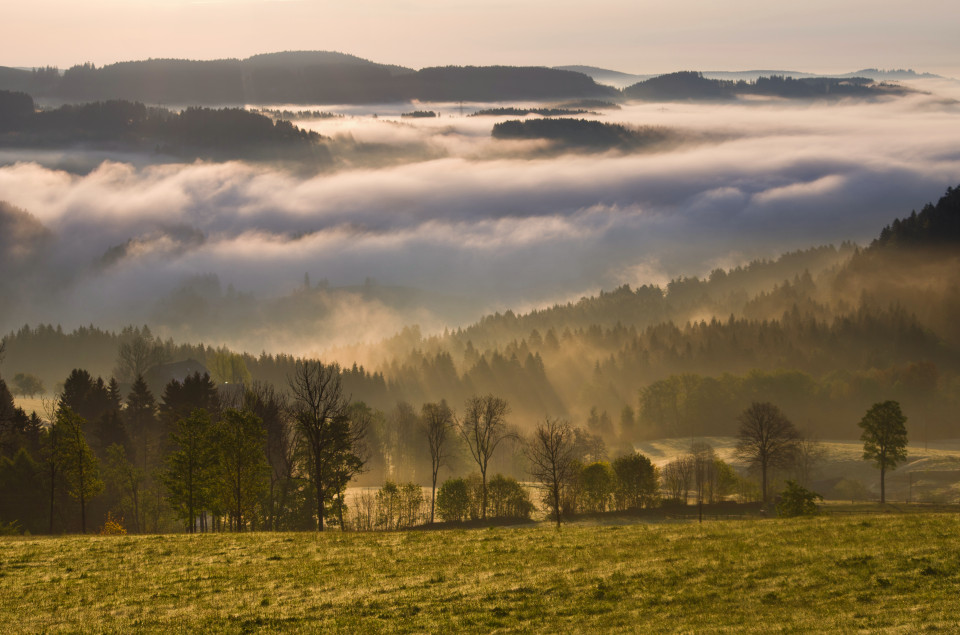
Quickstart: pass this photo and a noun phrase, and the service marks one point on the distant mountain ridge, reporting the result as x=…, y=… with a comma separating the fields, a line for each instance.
x=302, y=77
x=297, y=77
x=622, y=80
x=691, y=85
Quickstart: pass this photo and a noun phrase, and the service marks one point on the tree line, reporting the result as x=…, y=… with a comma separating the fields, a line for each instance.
x=692, y=85
x=224, y=133
x=246, y=457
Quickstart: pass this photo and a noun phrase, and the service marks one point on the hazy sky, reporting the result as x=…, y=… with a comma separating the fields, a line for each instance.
x=629, y=35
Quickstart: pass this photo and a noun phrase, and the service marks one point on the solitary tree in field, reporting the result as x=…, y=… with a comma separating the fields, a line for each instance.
x=27, y=385
x=767, y=439
x=484, y=427
x=884, y=438
x=437, y=421
x=551, y=455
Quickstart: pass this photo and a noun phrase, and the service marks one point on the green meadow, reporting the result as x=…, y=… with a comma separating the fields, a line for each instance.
x=871, y=572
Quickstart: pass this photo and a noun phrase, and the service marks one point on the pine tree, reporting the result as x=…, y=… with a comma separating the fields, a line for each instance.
x=188, y=474
x=141, y=420
x=79, y=466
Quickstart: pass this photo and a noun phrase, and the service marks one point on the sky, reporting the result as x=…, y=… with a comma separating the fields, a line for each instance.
x=648, y=36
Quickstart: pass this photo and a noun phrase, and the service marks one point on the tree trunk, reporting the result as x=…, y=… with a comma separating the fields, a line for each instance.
x=883, y=493
x=83, y=504
x=763, y=478
x=239, y=505
x=136, y=509
x=483, y=511
x=319, y=484
x=53, y=491
x=556, y=502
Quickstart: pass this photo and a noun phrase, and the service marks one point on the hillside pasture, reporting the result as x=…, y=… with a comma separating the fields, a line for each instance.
x=829, y=573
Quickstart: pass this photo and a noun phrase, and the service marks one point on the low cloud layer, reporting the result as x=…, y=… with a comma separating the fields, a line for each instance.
x=454, y=216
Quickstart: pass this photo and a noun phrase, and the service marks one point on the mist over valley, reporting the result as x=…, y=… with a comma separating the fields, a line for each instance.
x=443, y=335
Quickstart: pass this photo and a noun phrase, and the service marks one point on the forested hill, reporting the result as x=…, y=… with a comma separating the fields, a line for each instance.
x=320, y=77
x=227, y=133
x=818, y=331
x=297, y=78
x=691, y=85
x=585, y=134
x=935, y=225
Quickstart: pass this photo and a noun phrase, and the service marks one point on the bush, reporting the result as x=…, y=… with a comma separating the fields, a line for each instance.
x=11, y=528
x=453, y=499
x=113, y=526
x=636, y=482
x=506, y=498
x=797, y=500
x=398, y=506
x=597, y=481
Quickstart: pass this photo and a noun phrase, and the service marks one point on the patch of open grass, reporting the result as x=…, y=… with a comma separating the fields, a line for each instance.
x=898, y=572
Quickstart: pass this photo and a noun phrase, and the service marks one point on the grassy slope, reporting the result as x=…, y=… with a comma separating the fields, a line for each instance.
x=836, y=573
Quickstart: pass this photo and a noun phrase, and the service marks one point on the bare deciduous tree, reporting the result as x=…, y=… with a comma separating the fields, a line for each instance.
x=320, y=410
x=676, y=476
x=767, y=439
x=138, y=355
x=436, y=421
x=551, y=454
x=810, y=452
x=484, y=427
x=282, y=446
x=702, y=457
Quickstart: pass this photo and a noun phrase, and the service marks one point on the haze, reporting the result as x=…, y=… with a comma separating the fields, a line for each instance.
x=464, y=223
x=640, y=37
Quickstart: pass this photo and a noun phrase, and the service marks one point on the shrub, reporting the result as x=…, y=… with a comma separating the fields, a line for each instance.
x=597, y=481
x=636, y=482
x=398, y=506
x=797, y=500
x=113, y=526
x=506, y=498
x=11, y=528
x=453, y=499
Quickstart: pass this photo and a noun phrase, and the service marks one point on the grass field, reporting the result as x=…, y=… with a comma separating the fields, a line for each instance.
x=875, y=573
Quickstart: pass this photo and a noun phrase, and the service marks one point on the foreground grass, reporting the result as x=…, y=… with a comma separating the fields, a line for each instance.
x=897, y=572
